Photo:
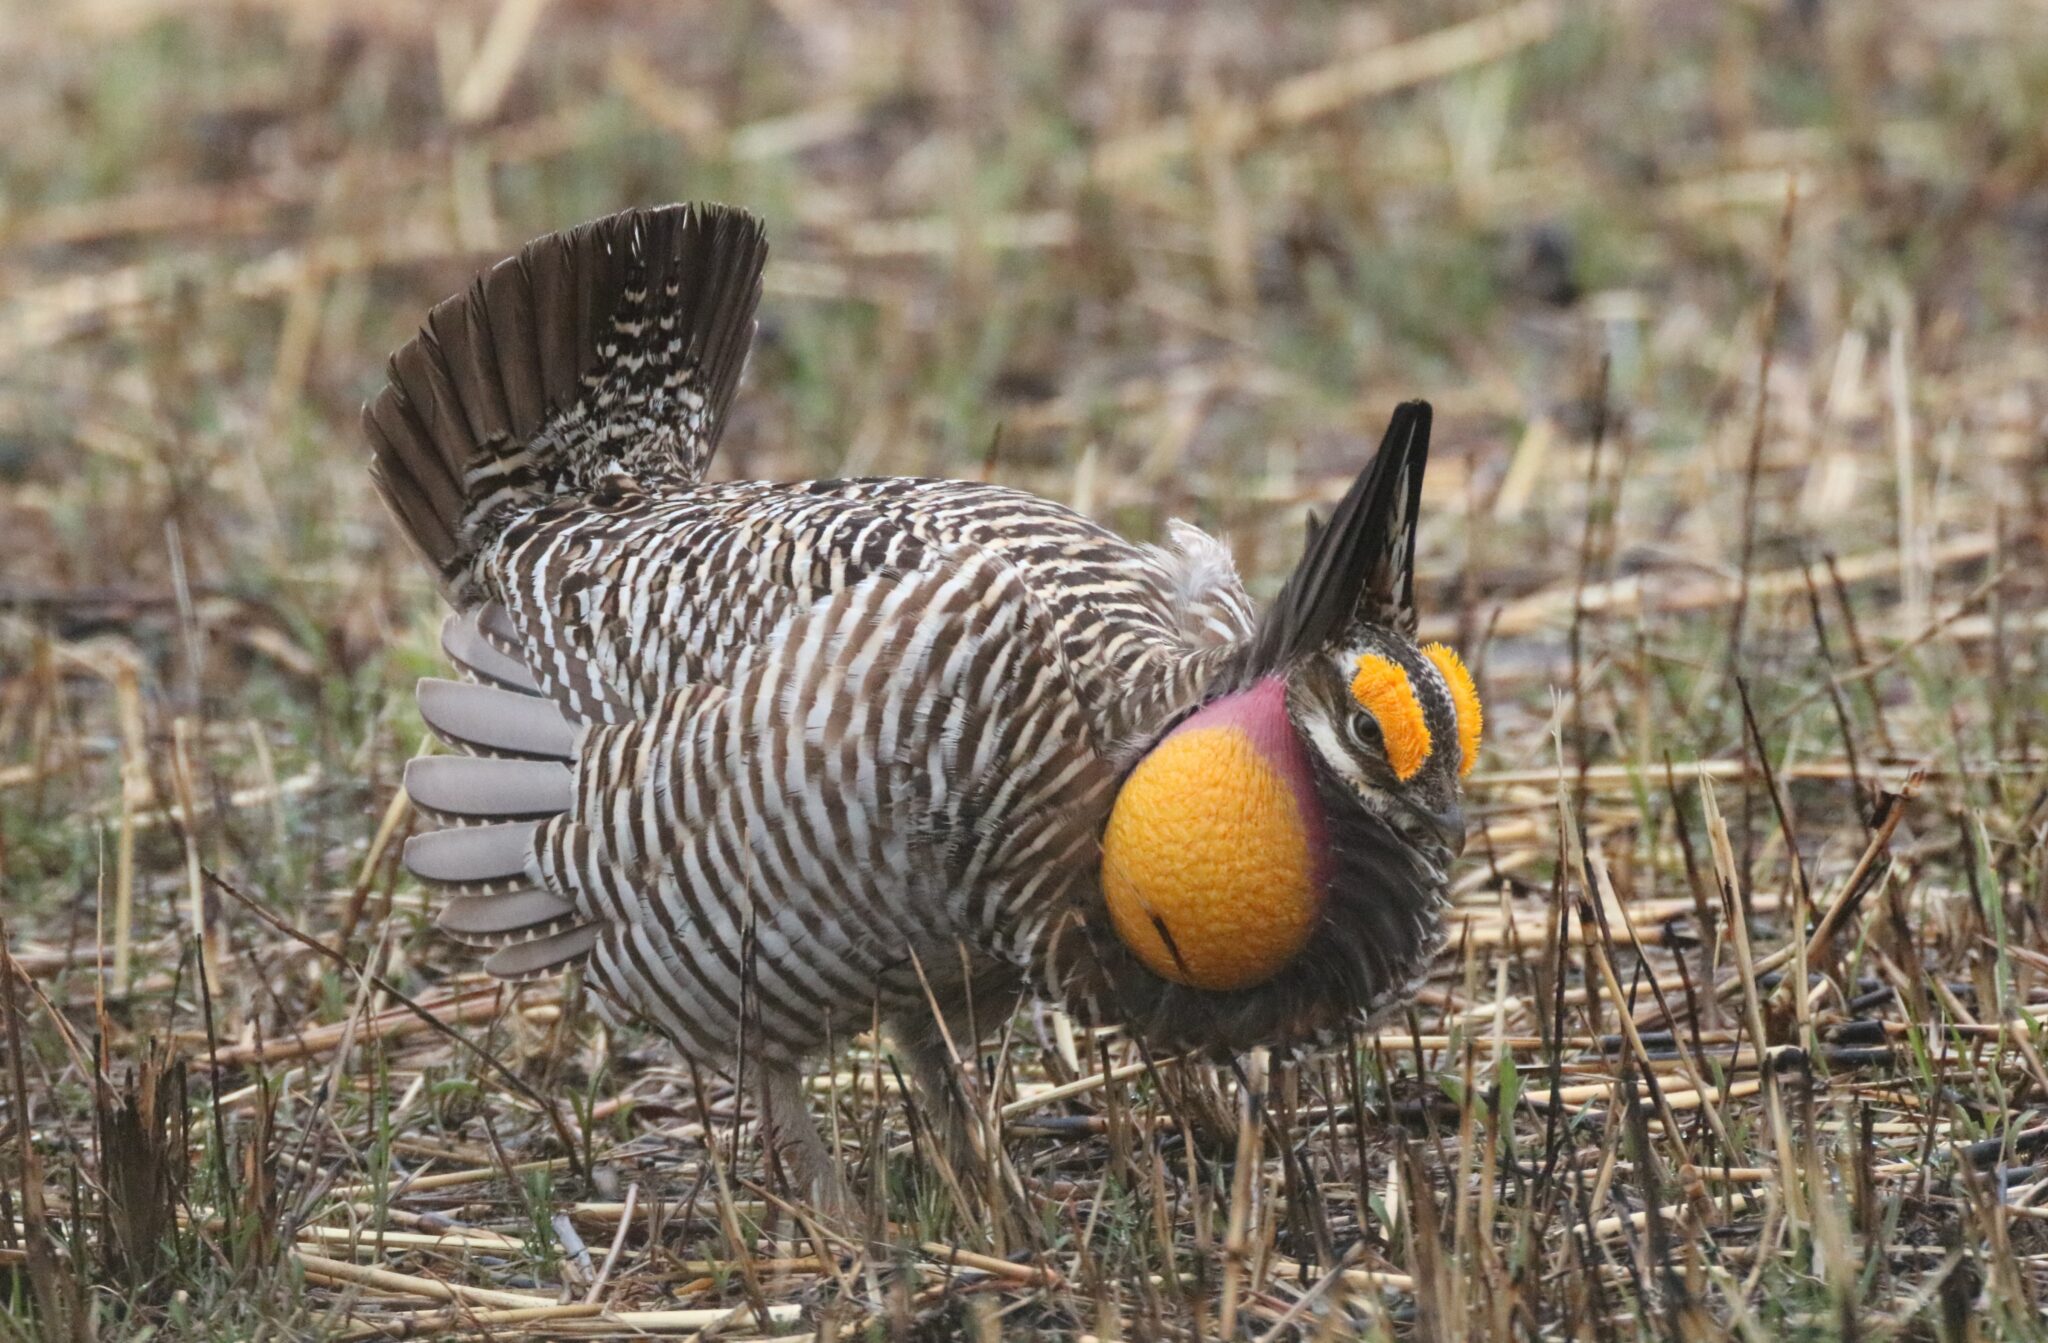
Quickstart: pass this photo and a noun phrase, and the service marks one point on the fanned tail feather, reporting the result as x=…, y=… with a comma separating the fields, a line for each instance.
x=613, y=347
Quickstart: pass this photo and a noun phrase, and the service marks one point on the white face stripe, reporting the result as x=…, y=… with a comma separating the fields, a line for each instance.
x=1323, y=735
x=1329, y=742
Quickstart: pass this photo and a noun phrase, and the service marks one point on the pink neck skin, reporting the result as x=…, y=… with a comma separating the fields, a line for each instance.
x=1260, y=713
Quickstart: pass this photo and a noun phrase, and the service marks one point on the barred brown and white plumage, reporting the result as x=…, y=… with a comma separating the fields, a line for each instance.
x=773, y=759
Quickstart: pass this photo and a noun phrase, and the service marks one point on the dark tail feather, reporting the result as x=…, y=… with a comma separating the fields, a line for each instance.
x=612, y=347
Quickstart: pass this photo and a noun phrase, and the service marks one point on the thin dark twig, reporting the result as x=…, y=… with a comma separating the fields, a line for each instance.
x=1581, y=581
x=1827, y=658
x=1802, y=890
x=1859, y=652
x=1754, y=465
x=220, y=1132
x=510, y=1078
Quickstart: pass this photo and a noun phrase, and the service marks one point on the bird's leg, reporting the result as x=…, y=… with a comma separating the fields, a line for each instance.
x=791, y=1135
x=943, y=1052
x=935, y=1072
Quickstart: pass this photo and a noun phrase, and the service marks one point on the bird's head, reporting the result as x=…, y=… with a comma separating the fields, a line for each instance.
x=1281, y=852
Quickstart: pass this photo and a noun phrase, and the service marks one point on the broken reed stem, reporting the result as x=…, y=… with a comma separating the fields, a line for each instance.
x=1243, y=1187
x=1863, y=877
x=183, y=785
x=451, y=1323
x=397, y=813
x=1307, y=98
x=1733, y=917
x=135, y=792
x=1606, y=896
x=1753, y=465
x=611, y=1255
x=1031, y=1275
x=1575, y=640
x=1594, y=896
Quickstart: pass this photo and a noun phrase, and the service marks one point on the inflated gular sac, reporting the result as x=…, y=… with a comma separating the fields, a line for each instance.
x=1210, y=860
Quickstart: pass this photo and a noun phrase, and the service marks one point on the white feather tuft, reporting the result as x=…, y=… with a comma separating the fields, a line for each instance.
x=1210, y=597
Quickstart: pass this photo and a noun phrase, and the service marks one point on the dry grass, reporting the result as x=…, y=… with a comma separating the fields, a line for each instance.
x=1738, y=510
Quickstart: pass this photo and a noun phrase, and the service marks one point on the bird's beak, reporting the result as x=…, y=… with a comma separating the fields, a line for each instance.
x=1449, y=825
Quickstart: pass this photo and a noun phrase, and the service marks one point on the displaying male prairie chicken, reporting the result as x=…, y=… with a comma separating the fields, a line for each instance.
x=773, y=760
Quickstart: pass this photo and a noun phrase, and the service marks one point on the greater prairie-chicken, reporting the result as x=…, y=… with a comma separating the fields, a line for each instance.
x=775, y=760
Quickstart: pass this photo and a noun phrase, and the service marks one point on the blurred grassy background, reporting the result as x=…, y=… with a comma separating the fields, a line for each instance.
x=1732, y=315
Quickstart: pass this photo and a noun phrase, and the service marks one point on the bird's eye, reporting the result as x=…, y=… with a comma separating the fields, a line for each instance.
x=1365, y=730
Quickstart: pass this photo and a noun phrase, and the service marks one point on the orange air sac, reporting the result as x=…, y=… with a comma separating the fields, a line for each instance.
x=1212, y=864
